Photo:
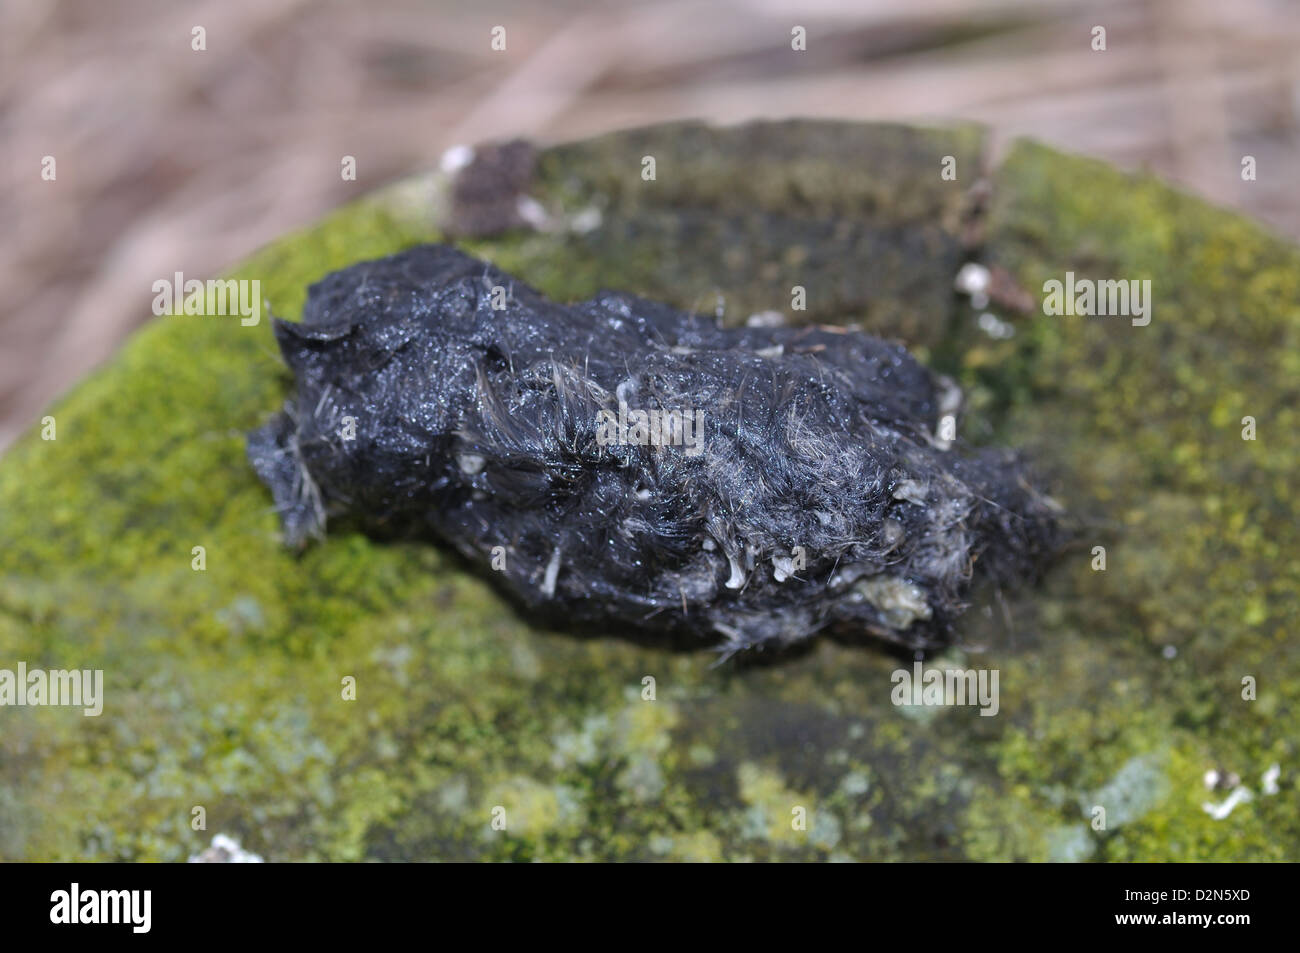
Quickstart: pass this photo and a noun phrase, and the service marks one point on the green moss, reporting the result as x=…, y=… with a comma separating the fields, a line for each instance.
x=225, y=687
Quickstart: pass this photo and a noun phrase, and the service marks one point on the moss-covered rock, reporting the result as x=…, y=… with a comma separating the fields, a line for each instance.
x=474, y=735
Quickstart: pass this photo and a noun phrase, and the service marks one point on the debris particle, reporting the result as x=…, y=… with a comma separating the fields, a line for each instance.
x=225, y=850
x=489, y=191
x=1220, y=811
x=586, y=220
x=1007, y=294
x=552, y=573
x=973, y=281
x=532, y=213
x=765, y=319
x=456, y=158
x=995, y=327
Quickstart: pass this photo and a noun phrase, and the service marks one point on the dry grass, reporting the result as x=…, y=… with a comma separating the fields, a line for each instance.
x=174, y=160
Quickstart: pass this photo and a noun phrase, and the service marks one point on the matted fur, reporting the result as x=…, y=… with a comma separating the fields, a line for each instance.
x=818, y=494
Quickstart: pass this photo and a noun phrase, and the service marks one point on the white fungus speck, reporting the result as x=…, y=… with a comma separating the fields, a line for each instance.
x=995, y=327
x=972, y=277
x=456, y=158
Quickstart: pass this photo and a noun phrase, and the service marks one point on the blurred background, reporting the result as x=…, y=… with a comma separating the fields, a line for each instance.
x=171, y=159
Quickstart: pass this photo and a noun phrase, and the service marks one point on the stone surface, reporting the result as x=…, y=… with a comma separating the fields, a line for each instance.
x=224, y=687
